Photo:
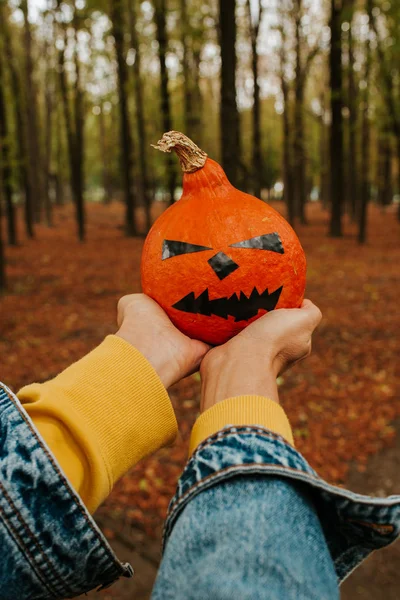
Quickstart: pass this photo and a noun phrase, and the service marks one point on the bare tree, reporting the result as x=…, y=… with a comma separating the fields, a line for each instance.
x=336, y=136
x=229, y=115
x=35, y=155
x=2, y=253
x=105, y=152
x=117, y=18
x=79, y=128
x=187, y=82
x=304, y=59
x=287, y=158
x=192, y=39
x=257, y=163
x=365, y=142
x=20, y=122
x=160, y=11
x=352, y=171
x=58, y=176
x=324, y=154
x=5, y=161
x=74, y=127
x=384, y=183
x=48, y=107
x=140, y=117
x=389, y=91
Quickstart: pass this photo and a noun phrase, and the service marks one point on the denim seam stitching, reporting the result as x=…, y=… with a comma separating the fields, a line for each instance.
x=176, y=508
x=64, y=482
x=229, y=469
x=207, y=482
x=225, y=432
x=35, y=565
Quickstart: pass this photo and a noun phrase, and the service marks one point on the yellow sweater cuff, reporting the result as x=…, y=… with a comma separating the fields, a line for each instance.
x=241, y=410
x=110, y=407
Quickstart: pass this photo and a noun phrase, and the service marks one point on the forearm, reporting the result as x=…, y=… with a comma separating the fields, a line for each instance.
x=245, y=536
x=50, y=546
x=101, y=416
x=238, y=391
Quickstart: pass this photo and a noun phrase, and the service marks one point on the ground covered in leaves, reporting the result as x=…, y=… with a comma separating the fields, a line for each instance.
x=341, y=403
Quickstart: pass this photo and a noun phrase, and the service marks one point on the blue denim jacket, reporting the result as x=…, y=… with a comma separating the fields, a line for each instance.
x=250, y=519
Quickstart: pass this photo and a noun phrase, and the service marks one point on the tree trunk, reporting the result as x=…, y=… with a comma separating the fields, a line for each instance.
x=256, y=112
x=352, y=172
x=365, y=150
x=2, y=253
x=79, y=138
x=187, y=83
x=196, y=125
x=287, y=161
x=140, y=117
x=287, y=167
x=34, y=160
x=117, y=18
x=74, y=150
x=48, y=104
x=6, y=162
x=229, y=115
x=161, y=29
x=323, y=156
x=47, y=197
x=384, y=175
x=20, y=123
x=299, y=171
x=108, y=192
x=336, y=137
x=389, y=91
x=398, y=175
x=59, y=180
x=387, y=191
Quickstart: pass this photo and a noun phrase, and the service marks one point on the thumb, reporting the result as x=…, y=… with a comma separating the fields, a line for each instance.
x=312, y=311
x=198, y=352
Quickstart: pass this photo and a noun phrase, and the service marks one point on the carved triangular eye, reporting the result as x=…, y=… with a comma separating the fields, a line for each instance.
x=172, y=248
x=269, y=241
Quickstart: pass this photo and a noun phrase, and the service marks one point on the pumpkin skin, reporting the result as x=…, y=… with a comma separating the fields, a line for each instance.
x=213, y=214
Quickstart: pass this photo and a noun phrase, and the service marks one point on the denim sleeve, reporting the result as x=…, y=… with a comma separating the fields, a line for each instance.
x=50, y=545
x=250, y=538
x=251, y=519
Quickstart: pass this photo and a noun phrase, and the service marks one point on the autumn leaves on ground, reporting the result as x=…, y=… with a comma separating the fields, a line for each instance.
x=342, y=402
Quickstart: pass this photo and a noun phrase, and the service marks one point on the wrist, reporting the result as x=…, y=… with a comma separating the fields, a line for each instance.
x=152, y=353
x=226, y=377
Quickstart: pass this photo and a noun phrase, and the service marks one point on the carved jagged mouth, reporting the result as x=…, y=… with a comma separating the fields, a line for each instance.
x=240, y=306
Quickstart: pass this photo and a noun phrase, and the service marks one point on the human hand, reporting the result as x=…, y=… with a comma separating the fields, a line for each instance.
x=145, y=326
x=251, y=361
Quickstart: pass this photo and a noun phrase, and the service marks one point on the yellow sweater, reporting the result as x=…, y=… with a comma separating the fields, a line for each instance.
x=109, y=410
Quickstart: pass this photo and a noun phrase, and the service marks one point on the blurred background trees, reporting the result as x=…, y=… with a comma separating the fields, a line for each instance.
x=298, y=99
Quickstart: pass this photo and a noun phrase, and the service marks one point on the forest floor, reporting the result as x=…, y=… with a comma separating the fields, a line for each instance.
x=343, y=402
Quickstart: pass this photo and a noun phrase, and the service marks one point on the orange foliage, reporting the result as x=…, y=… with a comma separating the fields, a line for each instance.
x=341, y=402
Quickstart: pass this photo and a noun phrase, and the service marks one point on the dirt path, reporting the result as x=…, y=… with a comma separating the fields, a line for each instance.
x=144, y=555
x=378, y=578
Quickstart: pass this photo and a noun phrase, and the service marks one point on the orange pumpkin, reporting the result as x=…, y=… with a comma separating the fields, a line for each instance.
x=219, y=258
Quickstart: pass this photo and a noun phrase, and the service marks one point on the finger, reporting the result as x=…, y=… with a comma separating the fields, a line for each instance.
x=123, y=303
x=313, y=312
x=199, y=350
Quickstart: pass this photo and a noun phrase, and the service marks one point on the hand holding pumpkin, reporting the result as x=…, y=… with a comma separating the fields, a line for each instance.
x=250, y=362
x=219, y=259
x=144, y=325
x=216, y=262
x=247, y=364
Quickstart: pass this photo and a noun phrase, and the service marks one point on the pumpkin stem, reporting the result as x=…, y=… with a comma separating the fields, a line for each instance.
x=191, y=157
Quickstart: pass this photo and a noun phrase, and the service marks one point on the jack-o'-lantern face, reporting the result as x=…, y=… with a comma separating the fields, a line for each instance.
x=238, y=305
x=215, y=271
